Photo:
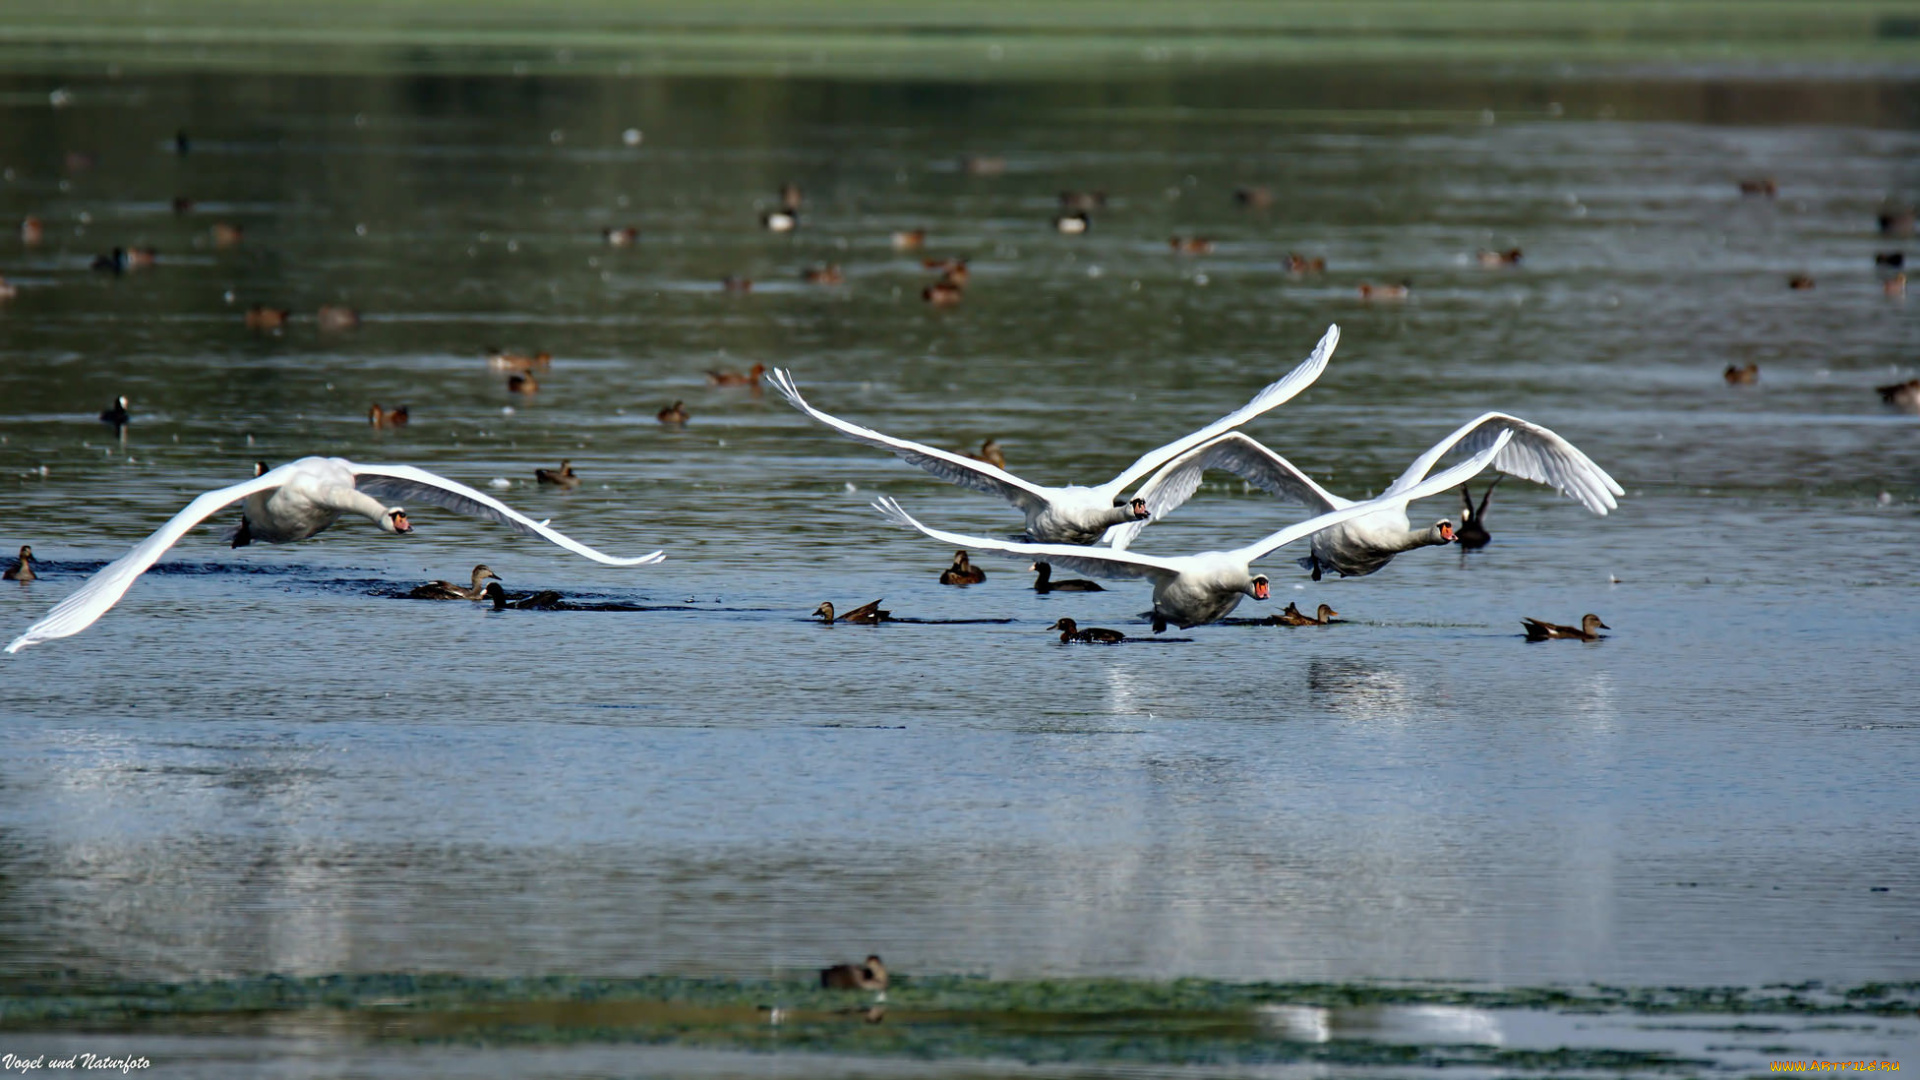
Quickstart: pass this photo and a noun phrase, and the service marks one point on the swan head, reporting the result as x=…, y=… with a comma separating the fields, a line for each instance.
x=395, y=521
x=1441, y=533
x=1137, y=506
x=1258, y=587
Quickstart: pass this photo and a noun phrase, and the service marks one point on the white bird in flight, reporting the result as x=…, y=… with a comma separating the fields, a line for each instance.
x=291, y=503
x=1365, y=544
x=1190, y=590
x=1071, y=514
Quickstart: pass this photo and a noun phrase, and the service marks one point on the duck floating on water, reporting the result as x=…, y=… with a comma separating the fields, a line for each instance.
x=943, y=293
x=865, y=613
x=962, y=572
x=1903, y=396
x=823, y=274
x=226, y=234
x=545, y=600
x=22, y=570
x=1741, y=375
x=1370, y=291
x=262, y=317
x=386, y=418
x=523, y=383
x=1044, y=583
x=117, y=415
x=1496, y=259
x=1293, y=616
x=338, y=317
x=1093, y=635
x=506, y=361
x=1072, y=224
x=871, y=975
x=447, y=590
x=1190, y=245
x=780, y=221
x=1762, y=186
x=750, y=377
x=1472, y=535
x=673, y=415
x=909, y=239
x=990, y=453
x=1546, y=631
x=562, y=477
x=623, y=236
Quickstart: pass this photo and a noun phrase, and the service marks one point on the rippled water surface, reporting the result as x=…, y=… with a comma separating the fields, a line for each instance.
x=263, y=762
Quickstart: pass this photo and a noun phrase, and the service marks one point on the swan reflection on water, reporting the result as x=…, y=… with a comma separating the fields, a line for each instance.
x=1449, y=1025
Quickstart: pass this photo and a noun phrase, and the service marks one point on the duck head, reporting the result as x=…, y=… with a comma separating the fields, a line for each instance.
x=482, y=573
x=1067, y=625
x=1258, y=587
x=498, y=595
x=825, y=611
x=1589, y=623
x=395, y=521
x=1326, y=613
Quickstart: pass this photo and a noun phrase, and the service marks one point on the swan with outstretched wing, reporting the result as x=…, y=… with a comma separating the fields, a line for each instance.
x=291, y=503
x=1189, y=590
x=1072, y=514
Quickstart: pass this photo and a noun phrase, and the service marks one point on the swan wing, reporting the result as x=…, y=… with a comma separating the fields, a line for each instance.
x=1083, y=560
x=948, y=466
x=1433, y=485
x=404, y=483
x=1534, y=453
x=1238, y=453
x=105, y=588
x=1275, y=393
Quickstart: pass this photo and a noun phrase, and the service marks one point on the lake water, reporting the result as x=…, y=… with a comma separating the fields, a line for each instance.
x=264, y=763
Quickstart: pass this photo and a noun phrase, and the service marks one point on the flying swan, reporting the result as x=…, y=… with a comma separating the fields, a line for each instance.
x=1366, y=544
x=1190, y=590
x=1071, y=514
x=291, y=503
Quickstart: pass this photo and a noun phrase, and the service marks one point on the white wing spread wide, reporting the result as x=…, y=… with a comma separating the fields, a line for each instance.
x=948, y=466
x=104, y=589
x=1080, y=560
x=1452, y=478
x=404, y=483
x=1285, y=389
x=1242, y=455
x=1535, y=454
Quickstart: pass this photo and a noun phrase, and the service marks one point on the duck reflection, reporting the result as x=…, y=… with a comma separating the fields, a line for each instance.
x=1359, y=689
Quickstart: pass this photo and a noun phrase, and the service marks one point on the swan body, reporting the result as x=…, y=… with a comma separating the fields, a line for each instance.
x=1072, y=514
x=1367, y=542
x=1191, y=590
x=291, y=503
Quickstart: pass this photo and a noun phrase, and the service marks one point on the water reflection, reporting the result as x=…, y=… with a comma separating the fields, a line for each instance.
x=1360, y=690
x=1446, y=1025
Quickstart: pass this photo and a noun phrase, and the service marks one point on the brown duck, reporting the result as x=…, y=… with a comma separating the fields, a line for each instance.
x=1903, y=396
x=750, y=377
x=22, y=570
x=1293, y=616
x=506, y=361
x=962, y=572
x=1741, y=375
x=621, y=237
x=1092, y=635
x=523, y=383
x=338, y=317
x=1546, y=631
x=865, y=613
x=447, y=590
x=1495, y=259
x=1190, y=245
x=871, y=975
x=1044, y=583
x=674, y=414
x=561, y=477
x=823, y=274
x=990, y=453
x=386, y=418
x=261, y=317
x=952, y=271
x=909, y=239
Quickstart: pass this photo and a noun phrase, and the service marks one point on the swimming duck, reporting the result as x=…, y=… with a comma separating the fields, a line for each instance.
x=8, y=290
x=1903, y=396
x=871, y=975
x=1293, y=616
x=1546, y=631
x=262, y=317
x=865, y=613
x=621, y=237
x=1472, y=533
x=1895, y=285
x=1069, y=514
x=824, y=274
x=674, y=414
x=1892, y=260
x=523, y=383
x=338, y=317
x=1072, y=224
x=1742, y=375
x=32, y=230
x=990, y=453
x=1800, y=282
x=780, y=221
x=182, y=204
x=1092, y=635
x=1079, y=202
x=1491, y=259
x=226, y=234
x=962, y=572
x=750, y=377
x=1896, y=220
x=951, y=270
x=563, y=476
x=1364, y=546
x=22, y=570
x=291, y=503
x=447, y=590
x=506, y=361
x=1298, y=264
x=1255, y=198
x=790, y=197
x=1760, y=186
x=1370, y=291
x=943, y=293
x=1190, y=245
x=117, y=414
x=734, y=284
x=114, y=262
x=909, y=239
x=386, y=418
x=545, y=600
x=1044, y=583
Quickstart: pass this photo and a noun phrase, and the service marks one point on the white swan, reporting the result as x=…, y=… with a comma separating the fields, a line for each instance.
x=1366, y=544
x=292, y=503
x=1189, y=590
x=1072, y=514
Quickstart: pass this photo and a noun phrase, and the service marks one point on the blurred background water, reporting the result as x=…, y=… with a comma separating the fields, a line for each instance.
x=262, y=762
